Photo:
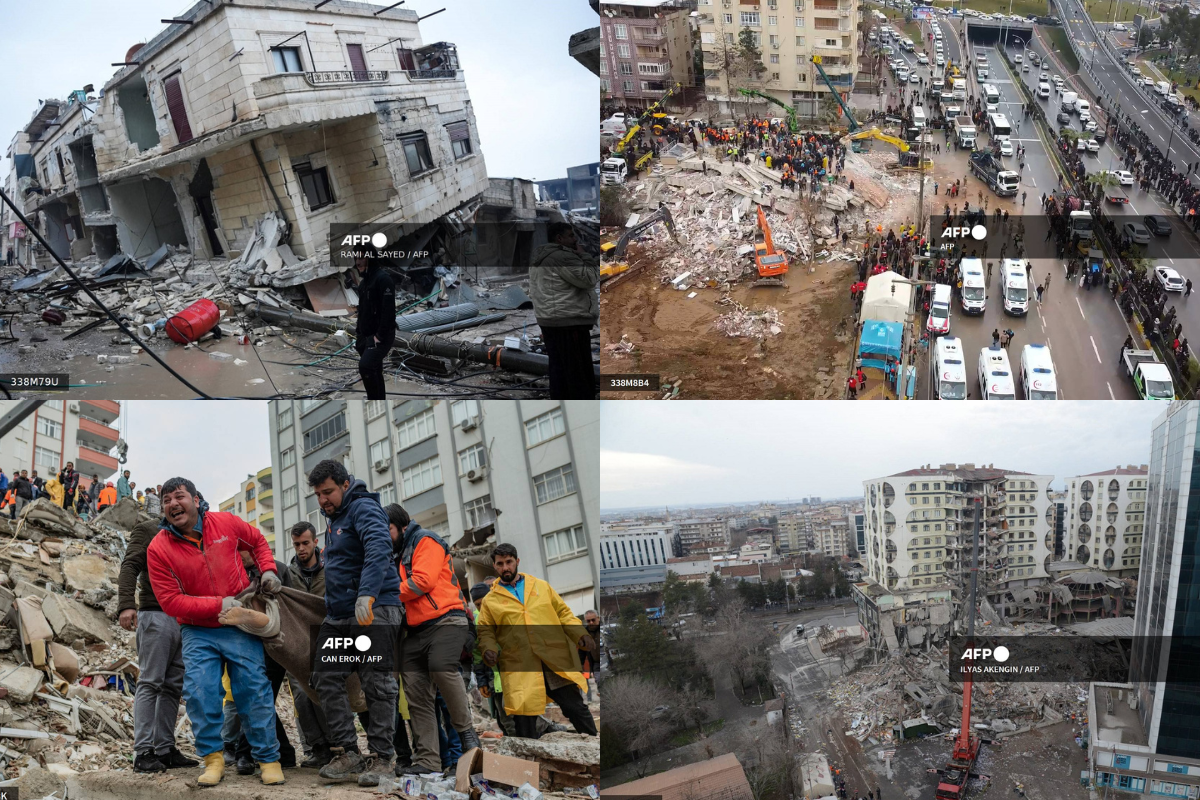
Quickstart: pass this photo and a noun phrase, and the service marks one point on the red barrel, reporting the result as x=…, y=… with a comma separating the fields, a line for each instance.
x=194, y=321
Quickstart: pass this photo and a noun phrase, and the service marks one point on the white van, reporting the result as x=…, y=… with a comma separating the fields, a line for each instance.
x=1043, y=90
x=1037, y=373
x=1163, y=88
x=918, y=117
x=1083, y=107
x=949, y=378
x=995, y=375
x=974, y=291
x=1014, y=287
x=939, y=311
x=613, y=171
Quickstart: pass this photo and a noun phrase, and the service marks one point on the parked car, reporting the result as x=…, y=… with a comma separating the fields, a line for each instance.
x=1136, y=232
x=1158, y=224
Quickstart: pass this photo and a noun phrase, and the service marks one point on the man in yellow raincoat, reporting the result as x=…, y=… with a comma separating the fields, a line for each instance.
x=55, y=490
x=526, y=628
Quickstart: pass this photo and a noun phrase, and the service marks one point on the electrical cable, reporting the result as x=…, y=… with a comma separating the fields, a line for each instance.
x=120, y=324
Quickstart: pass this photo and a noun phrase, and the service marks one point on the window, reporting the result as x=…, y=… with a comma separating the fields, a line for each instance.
x=1121, y=761
x=799, y=22
x=626, y=68
x=387, y=494
x=289, y=496
x=49, y=427
x=460, y=138
x=623, y=51
x=287, y=59
x=727, y=19
x=621, y=31
x=544, y=426
x=284, y=420
x=375, y=408
x=309, y=403
x=775, y=75
x=554, y=484
x=415, y=429
x=461, y=410
x=831, y=42
x=45, y=459
x=421, y=477
x=749, y=18
x=775, y=60
x=287, y=458
x=379, y=451
x=473, y=457
x=315, y=183
x=416, y=151
x=707, y=38
x=627, y=87
x=57, y=405
x=324, y=432
x=800, y=43
x=478, y=511
x=772, y=20
x=564, y=544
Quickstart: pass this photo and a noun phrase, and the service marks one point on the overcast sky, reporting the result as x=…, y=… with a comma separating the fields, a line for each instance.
x=536, y=107
x=181, y=438
x=712, y=452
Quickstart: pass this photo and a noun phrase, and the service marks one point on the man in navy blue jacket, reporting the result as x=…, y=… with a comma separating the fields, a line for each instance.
x=362, y=587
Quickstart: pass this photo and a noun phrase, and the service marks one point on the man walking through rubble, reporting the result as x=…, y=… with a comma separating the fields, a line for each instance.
x=527, y=629
x=376, y=330
x=196, y=573
x=564, y=288
x=69, y=479
x=438, y=633
x=362, y=588
x=160, y=657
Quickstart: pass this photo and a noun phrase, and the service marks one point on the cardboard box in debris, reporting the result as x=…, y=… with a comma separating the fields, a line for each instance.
x=68, y=672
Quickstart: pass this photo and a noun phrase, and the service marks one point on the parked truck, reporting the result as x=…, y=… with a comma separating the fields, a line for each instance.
x=1151, y=378
x=990, y=169
x=964, y=128
x=1077, y=211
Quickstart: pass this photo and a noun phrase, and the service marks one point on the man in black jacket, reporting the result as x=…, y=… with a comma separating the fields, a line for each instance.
x=376, y=330
x=22, y=491
x=69, y=479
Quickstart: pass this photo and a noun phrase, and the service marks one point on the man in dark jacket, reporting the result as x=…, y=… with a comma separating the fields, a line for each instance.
x=160, y=657
x=376, y=329
x=69, y=479
x=362, y=588
x=23, y=491
x=306, y=573
x=564, y=286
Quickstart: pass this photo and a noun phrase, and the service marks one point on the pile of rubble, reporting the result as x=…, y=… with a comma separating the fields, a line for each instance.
x=748, y=323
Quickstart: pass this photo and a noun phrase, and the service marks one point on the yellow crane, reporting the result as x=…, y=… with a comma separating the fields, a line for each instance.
x=645, y=118
x=875, y=133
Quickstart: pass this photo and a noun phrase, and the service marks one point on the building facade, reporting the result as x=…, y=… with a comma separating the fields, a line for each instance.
x=579, y=191
x=82, y=431
x=320, y=115
x=254, y=502
x=856, y=520
x=476, y=472
x=645, y=48
x=703, y=534
x=637, y=545
x=1105, y=519
x=1143, y=734
x=788, y=34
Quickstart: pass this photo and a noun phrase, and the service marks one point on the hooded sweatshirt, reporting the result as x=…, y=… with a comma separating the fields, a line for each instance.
x=358, y=554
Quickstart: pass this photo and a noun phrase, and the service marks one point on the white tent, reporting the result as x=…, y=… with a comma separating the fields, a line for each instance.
x=886, y=298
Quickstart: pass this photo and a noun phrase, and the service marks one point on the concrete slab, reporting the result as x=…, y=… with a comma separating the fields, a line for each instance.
x=88, y=571
x=301, y=784
x=21, y=682
x=71, y=620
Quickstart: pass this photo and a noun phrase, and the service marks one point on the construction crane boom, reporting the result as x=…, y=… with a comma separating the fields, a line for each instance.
x=793, y=122
x=816, y=60
x=875, y=133
x=650, y=111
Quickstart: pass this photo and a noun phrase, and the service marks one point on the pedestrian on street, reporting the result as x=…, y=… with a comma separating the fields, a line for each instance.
x=852, y=385
x=376, y=332
x=995, y=337
x=862, y=379
x=1188, y=291
x=1047, y=284
x=1039, y=293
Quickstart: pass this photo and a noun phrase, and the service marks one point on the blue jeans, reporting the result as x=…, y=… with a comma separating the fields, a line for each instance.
x=205, y=650
x=449, y=745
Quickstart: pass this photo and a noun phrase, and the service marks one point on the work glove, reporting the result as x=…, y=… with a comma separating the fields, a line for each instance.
x=362, y=610
x=230, y=602
x=269, y=582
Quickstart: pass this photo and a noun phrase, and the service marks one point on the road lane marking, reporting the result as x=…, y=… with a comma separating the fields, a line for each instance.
x=1095, y=349
x=1110, y=391
x=1080, y=308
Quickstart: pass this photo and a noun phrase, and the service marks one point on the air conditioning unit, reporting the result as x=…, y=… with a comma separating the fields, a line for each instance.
x=470, y=424
x=73, y=408
x=381, y=465
x=775, y=45
x=476, y=475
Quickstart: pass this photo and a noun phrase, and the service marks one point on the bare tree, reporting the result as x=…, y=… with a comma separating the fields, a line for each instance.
x=765, y=760
x=629, y=703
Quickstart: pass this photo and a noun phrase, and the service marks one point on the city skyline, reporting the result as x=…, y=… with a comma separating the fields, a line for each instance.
x=651, y=457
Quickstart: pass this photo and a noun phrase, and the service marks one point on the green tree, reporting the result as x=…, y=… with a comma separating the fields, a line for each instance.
x=830, y=110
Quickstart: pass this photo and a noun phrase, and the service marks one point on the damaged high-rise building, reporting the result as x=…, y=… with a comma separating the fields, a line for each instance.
x=320, y=115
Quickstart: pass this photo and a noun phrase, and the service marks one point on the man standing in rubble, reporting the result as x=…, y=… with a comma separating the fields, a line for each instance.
x=69, y=479
x=376, y=329
x=123, y=487
x=564, y=286
x=437, y=636
x=196, y=573
x=22, y=492
x=362, y=588
x=160, y=657
x=526, y=628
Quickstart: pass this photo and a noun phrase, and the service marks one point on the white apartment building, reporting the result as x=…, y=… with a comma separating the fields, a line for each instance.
x=918, y=529
x=788, y=33
x=254, y=502
x=524, y=472
x=636, y=545
x=64, y=430
x=795, y=533
x=702, y=533
x=1105, y=518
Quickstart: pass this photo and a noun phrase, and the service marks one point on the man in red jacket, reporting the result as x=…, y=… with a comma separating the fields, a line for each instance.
x=196, y=573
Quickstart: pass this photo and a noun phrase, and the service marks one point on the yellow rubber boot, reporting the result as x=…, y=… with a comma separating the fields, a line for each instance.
x=214, y=769
x=271, y=773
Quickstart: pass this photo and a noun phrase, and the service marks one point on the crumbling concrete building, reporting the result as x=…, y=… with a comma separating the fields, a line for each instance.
x=337, y=114
x=897, y=622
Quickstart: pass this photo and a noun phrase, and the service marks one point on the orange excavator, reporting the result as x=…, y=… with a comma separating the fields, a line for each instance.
x=772, y=264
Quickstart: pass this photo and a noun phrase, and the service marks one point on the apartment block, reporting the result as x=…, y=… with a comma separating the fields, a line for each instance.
x=254, y=502
x=645, y=48
x=321, y=115
x=1105, y=519
x=856, y=521
x=637, y=545
x=702, y=534
x=919, y=534
x=478, y=473
x=82, y=431
x=788, y=33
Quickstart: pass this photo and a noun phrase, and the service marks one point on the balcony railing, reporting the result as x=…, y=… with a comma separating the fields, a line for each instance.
x=345, y=76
